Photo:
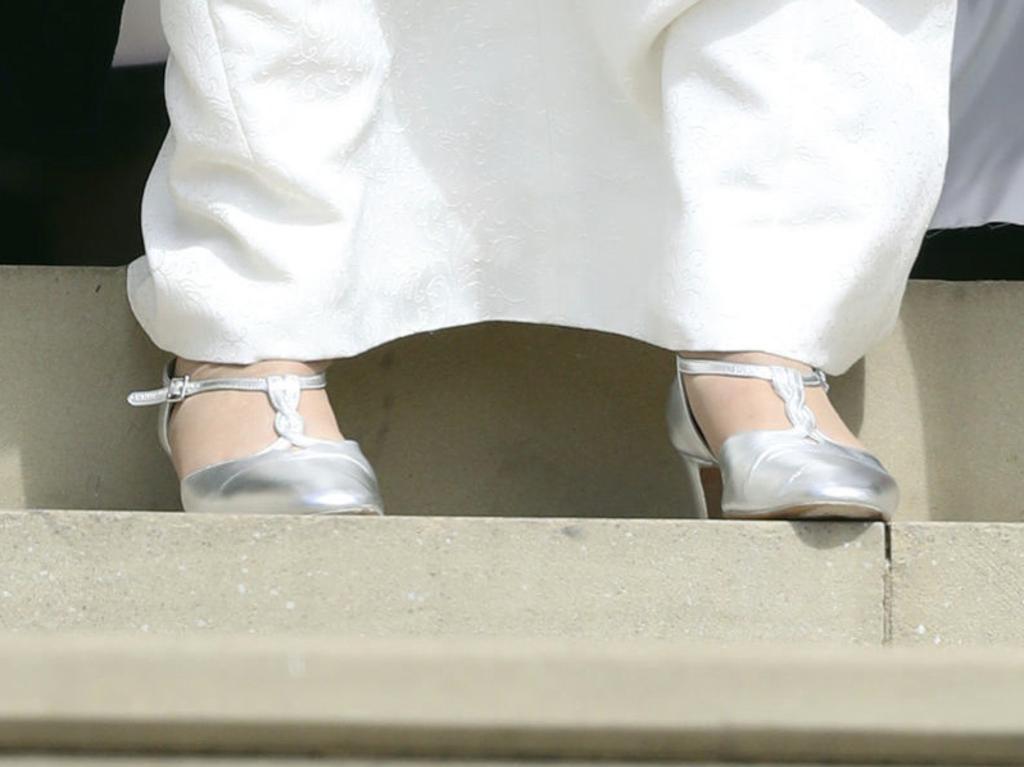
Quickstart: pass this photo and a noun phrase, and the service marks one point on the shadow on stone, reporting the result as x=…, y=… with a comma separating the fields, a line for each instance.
x=830, y=535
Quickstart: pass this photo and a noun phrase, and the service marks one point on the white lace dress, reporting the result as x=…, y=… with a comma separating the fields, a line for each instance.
x=711, y=175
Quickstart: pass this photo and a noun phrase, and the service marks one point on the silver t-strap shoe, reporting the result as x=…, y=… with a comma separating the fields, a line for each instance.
x=796, y=473
x=295, y=474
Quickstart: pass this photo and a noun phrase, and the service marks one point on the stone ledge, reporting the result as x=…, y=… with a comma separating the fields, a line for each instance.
x=124, y=760
x=956, y=584
x=522, y=699
x=164, y=573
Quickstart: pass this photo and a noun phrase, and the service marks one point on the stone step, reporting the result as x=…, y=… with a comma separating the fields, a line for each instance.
x=937, y=584
x=176, y=760
x=148, y=760
x=957, y=584
x=529, y=700
x=162, y=573
x=502, y=419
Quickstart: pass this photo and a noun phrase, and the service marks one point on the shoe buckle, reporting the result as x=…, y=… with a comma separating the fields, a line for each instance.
x=177, y=389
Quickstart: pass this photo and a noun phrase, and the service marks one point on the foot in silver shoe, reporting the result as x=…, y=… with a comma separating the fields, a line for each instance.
x=796, y=473
x=295, y=475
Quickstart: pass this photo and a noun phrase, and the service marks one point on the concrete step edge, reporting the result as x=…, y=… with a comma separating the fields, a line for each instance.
x=682, y=580
x=935, y=584
x=499, y=699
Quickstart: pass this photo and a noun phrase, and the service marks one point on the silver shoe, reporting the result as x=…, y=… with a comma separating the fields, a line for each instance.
x=296, y=474
x=796, y=473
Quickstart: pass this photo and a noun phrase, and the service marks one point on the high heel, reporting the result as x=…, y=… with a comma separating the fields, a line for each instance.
x=296, y=474
x=796, y=473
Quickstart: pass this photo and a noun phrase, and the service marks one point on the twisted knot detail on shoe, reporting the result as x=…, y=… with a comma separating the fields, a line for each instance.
x=789, y=385
x=284, y=393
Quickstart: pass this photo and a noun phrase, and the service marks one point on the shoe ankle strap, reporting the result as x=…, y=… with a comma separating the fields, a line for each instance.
x=699, y=367
x=178, y=388
x=283, y=391
x=788, y=383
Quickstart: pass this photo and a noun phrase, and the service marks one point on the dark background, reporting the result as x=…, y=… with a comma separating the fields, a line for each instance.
x=71, y=180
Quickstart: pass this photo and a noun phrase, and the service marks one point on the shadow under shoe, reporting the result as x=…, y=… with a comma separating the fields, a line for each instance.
x=796, y=473
x=296, y=474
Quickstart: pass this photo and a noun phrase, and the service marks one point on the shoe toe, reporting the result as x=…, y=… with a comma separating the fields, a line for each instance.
x=323, y=479
x=848, y=480
x=812, y=479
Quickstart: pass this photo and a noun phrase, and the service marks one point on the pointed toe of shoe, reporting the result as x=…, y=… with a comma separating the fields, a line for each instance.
x=849, y=487
x=794, y=478
x=332, y=478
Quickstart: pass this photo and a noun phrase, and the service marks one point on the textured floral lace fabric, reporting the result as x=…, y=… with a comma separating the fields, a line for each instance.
x=721, y=174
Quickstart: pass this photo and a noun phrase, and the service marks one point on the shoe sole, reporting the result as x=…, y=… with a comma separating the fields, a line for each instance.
x=819, y=512
x=711, y=484
x=362, y=512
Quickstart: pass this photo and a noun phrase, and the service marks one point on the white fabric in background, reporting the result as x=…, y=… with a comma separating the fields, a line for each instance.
x=142, y=39
x=723, y=174
x=985, y=177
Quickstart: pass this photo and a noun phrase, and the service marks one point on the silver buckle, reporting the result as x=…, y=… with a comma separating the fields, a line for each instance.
x=177, y=389
x=822, y=380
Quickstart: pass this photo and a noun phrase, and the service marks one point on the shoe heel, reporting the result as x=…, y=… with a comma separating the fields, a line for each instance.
x=705, y=489
x=711, y=487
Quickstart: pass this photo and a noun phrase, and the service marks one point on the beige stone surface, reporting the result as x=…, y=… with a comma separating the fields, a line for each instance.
x=525, y=699
x=69, y=351
x=958, y=584
x=941, y=401
x=175, y=574
x=504, y=419
x=64, y=760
